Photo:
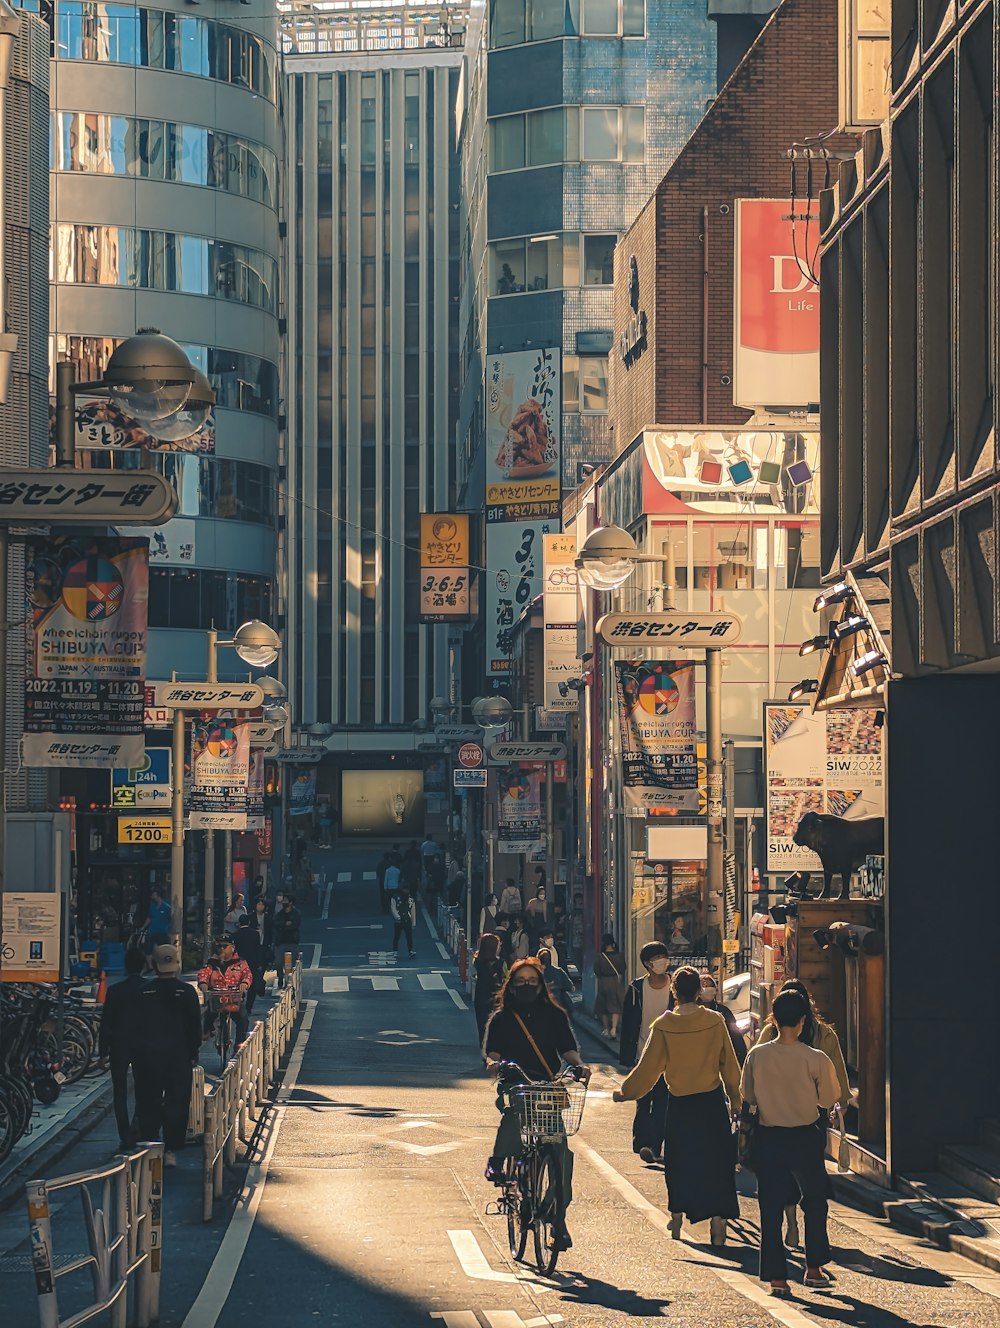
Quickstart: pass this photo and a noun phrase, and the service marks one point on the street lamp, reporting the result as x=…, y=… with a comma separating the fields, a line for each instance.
x=189, y=418
x=276, y=715
x=273, y=689
x=492, y=712
x=607, y=558
x=255, y=643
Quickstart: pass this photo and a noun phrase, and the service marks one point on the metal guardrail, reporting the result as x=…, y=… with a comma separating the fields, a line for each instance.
x=124, y=1235
x=228, y=1105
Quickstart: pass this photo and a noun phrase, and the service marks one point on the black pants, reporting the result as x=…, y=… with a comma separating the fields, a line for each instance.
x=163, y=1097
x=119, y=1095
x=782, y=1159
x=403, y=928
x=650, y=1119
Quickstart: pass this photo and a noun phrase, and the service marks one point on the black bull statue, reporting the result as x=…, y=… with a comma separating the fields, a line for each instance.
x=840, y=845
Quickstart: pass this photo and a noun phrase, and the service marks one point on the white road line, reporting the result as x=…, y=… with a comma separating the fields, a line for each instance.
x=384, y=983
x=327, y=895
x=212, y=1297
x=369, y=876
x=456, y=1318
x=430, y=923
x=431, y=981
x=476, y=1265
x=317, y=950
x=337, y=984
x=457, y=999
x=781, y=1311
x=343, y=876
x=442, y=951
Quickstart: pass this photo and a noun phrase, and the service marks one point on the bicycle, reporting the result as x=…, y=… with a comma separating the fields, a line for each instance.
x=224, y=1020
x=532, y=1189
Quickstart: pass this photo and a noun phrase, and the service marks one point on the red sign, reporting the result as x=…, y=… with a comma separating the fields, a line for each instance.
x=470, y=754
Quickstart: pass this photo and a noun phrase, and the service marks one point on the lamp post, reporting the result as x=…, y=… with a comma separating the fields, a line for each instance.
x=606, y=560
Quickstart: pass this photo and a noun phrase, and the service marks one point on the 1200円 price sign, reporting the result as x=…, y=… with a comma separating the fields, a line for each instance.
x=145, y=830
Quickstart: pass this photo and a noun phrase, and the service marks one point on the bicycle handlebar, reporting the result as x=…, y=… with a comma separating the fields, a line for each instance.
x=505, y=1071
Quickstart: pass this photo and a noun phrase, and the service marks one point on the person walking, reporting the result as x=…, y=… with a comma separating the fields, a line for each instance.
x=537, y=914
x=411, y=868
x=490, y=970
x=646, y=999
x=520, y=941
x=116, y=1040
x=792, y=1086
x=236, y=910
x=511, y=901
x=689, y=1048
x=558, y=981
x=404, y=917
x=380, y=871
x=709, y=997
x=286, y=930
x=249, y=948
x=263, y=925
x=165, y=1050
x=158, y=922
x=609, y=974
x=488, y=914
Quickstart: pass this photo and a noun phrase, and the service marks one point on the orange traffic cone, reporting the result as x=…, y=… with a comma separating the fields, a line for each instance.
x=102, y=988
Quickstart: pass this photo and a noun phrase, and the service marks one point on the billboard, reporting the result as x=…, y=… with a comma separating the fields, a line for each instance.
x=444, y=566
x=513, y=580
x=85, y=681
x=382, y=802
x=826, y=762
x=776, y=315
x=728, y=471
x=99, y=424
x=561, y=608
x=519, y=793
x=656, y=713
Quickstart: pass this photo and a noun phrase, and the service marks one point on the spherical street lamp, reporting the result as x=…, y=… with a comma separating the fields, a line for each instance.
x=607, y=558
x=275, y=714
x=257, y=644
x=186, y=422
x=272, y=688
x=149, y=376
x=492, y=712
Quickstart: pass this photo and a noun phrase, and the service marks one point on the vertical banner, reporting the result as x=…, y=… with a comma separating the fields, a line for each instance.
x=519, y=791
x=85, y=682
x=444, y=566
x=523, y=487
x=561, y=610
x=656, y=709
x=255, y=790
x=302, y=794
x=829, y=762
x=220, y=770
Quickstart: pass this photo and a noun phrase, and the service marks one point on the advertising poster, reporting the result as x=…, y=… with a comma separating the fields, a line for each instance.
x=85, y=681
x=29, y=944
x=444, y=566
x=523, y=425
x=656, y=709
x=382, y=802
x=776, y=331
x=519, y=793
x=100, y=424
x=830, y=762
x=220, y=753
x=513, y=580
x=255, y=790
x=302, y=793
x=561, y=610
x=727, y=471
x=173, y=542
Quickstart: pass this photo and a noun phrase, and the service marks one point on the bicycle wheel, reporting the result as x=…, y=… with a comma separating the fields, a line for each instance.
x=75, y=1056
x=8, y=1134
x=517, y=1205
x=549, y=1211
x=17, y=1093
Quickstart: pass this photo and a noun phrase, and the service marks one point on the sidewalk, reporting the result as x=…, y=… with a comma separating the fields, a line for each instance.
x=54, y=1130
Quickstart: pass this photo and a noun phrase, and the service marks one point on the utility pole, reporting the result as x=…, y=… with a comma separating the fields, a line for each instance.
x=713, y=811
x=177, y=829
x=209, y=901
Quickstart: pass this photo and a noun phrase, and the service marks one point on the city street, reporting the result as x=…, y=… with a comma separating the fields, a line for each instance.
x=367, y=1201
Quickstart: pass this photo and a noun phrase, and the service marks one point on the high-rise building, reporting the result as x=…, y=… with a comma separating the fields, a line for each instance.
x=373, y=223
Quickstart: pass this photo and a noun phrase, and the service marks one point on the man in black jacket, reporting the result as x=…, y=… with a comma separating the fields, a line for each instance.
x=116, y=1039
x=287, y=925
x=168, y=1040
x=247, y=945
x=646, y=999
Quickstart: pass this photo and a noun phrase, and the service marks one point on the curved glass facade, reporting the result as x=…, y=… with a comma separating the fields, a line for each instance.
x=159, y=39
x=162, y=150
x=241, y=382
x=163, y=261
x=188, y=597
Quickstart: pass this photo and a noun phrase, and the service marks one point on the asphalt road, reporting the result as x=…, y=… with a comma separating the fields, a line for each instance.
x=366, y=1203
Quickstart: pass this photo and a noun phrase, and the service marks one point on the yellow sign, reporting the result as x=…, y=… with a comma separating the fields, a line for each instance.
x=444, y=539
x=145, y=830
x=730, y=945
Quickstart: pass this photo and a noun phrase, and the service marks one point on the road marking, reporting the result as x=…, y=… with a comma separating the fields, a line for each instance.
x=211, y=1299
x=457, y=1318
x=343, y=876
x=431, y=981
x=781, y=1311
x=360, y=926
x=425, y=1150
x=336, y=984
x=317, y=955
x=495, y=1318
x=369, y=876
x=442, y=951
x=476, y=1265
x=381, y=982
x=430, y=923
x=457, y=999
x=327, y=896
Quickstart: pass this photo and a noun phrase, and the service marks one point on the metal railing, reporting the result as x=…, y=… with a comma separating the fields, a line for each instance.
x=228, y=1105
x=124, y=1235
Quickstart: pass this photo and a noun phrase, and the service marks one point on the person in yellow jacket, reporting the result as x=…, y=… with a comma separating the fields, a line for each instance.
x=815, y=1033
x=690, y=1048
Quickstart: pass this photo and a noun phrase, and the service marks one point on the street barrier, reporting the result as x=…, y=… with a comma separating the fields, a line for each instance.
x=228, y=1104
x=124, y=1235
x=196, y=1112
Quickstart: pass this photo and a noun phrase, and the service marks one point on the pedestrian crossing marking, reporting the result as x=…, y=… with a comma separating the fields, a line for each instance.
x=382, y=982
x=431, y=981
x=343, y=983
x=343, y=876
x=369, y=876
x=336, y=984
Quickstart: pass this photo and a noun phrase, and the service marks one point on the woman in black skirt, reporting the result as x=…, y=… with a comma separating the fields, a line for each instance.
x=690, y=1047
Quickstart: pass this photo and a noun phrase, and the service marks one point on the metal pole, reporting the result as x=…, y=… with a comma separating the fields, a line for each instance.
x=65, y=443
x=177, y=832
x=729, y=788
x=713, y=764
x=209, y=900
x=4, y=626
x=669, y=577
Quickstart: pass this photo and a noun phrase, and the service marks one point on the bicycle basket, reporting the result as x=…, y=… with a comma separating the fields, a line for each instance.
x=550, y=1111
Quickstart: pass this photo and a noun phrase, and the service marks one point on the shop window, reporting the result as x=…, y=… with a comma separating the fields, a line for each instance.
x=598, y=260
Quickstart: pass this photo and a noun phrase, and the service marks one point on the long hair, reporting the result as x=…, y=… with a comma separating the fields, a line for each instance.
x=489, y=948
x=505, y=999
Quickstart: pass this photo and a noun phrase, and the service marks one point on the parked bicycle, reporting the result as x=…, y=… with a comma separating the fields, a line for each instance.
x=28, y=1071
x=532, y=1196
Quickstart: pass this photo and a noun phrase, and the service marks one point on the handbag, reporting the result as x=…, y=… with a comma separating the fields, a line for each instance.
x=843, y=1150
x=746, y=1137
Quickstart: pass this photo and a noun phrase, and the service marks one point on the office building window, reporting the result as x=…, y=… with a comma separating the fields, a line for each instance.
x=508, y=143
x=195, y=599
x=614, y=133
x=515, y=21
x=532, y=263
x=585, y=384
x=600, y=18
x=599, y=260
x=543, y=138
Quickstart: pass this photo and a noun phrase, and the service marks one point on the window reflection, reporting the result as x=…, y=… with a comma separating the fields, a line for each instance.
x=160, y=260
x=197, y=599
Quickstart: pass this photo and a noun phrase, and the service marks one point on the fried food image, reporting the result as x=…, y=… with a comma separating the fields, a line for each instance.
x=527, y=450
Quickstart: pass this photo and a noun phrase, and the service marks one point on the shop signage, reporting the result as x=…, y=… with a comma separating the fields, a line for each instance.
x=145, y=830
x=30, y=942
x=301, y=755
x=265, y=840
x=458, y=732
x=691, y=629
x=267, y=749
x=100, y=423
x=444, y=566
x=207, y=695
x=62, y=496
x=261, y=734
x=560, y=611
x=470, y=754
x=155, y=716
x=503, y=753
x=145, y=785
x=469, y=778
x=633, y=340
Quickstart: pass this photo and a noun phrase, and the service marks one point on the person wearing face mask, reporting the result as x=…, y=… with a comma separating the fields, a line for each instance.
x=530, y=1029
x=709, y=997
x=646, y=999
x=538, y=915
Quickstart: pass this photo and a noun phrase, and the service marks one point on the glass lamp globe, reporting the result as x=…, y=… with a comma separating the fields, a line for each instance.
x=257, y=644
x=607, y=558
x=149, y=376
x=186, y=422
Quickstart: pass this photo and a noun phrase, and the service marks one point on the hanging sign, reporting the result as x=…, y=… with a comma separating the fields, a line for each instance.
x=689, y=629
x=207, y=695
x=560, y=608
x=444, y=566
x=502, y=753
x=656, y=715
x=60, y=496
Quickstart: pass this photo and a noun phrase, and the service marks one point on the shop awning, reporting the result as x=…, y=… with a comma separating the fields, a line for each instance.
x=857, y=665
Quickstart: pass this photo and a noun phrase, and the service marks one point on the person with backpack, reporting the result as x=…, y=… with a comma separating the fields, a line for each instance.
x=404, y=917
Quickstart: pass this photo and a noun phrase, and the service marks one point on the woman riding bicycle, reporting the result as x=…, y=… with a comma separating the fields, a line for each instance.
x=530, y=1029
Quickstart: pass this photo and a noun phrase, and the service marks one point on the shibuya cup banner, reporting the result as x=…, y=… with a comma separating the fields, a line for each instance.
x=85, y=683
x=513, y=580
x=519, y=792
x=220, y=770
x=829, y=762
x=523, y=429
x=656, y=708
x=561, y=609
x=776, y=317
